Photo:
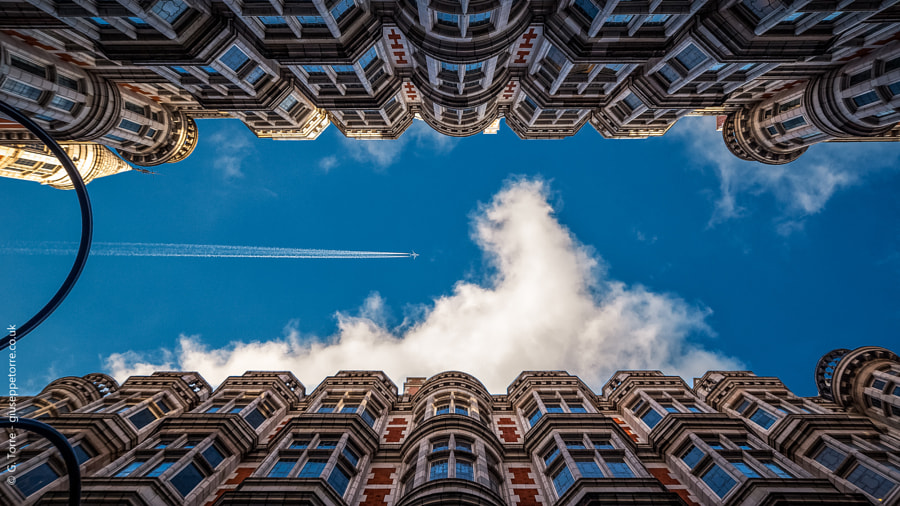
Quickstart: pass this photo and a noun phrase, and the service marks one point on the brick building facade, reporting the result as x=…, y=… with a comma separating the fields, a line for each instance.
x=132, y=75
x=644, y=439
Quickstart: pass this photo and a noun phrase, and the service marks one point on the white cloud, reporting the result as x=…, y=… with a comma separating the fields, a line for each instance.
x=384, y=153
x=328, y=163
x=801, y=188
x=547, y=303
x=232, y=149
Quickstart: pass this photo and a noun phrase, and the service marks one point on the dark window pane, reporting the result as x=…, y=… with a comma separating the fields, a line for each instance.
x=589, y=469
x=312, y=469
x=187, y=479
x=870, y=482
x=213, y=456
x=142, y=418
x=829, y=457
x=36, y=479
x=255, y=418
x=339, y=481
x=718, y=480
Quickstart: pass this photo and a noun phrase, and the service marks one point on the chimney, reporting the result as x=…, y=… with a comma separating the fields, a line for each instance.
x=412, y=385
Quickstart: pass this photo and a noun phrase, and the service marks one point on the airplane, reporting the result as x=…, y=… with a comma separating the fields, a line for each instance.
x=414, y=255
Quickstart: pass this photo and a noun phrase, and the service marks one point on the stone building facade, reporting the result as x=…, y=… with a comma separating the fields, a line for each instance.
x=132, y=75
x=644, y=439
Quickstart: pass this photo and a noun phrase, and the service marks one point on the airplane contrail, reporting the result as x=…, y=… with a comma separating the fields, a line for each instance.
x=139, y=249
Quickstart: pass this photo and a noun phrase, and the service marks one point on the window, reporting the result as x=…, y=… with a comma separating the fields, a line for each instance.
x=368, y=58
x=746, y=470
x=867, y=98
x=575, y=444
x=313, y=468
x=255, y=75
x=870, y=482
x=536, y=413
x=169, y=10
x=299, y=444
x=131, y=126
x=762, y=417
x=129, y=469
x=327, y=444
x=83, y=452
x=343, y=69
x=670, y=408
x=562, y=481
x=135, y=108
x=446, y=19
x=743, y=406
x=21, y=89
x=718, y=480
x=158, y=470
x=341, y=8
x=479, y=19
x=633, y=102
x=286, y=105
x=463, y=445
x=440, y=444
x=315, y=69
x=550, y=456
x=187, y=479
x=587, y=7
x=772, y=130
x=669, y=73
x=36, y=479
x=553, y=408
x=556, y=59
x=62, y=103
x=272, y=20
x=209, y=70
x=878, y=384
x=351, y=455
x=829, y=457
x=339, y=480
x=213, y=456
x=460, y=410
x=690, y=57
x=180, y=70
x=860, y=77
x=438, y=470
x=657, y=20
x=576, y=408
x=282, y=468
x=311, y=21
x=464, y=470
x=618, y=20
x=143, y=417
x=894, y=88
x=778, y=470
x=368, y=417
x=115, y=138
x=234, y=58
x=619, y=468
x=833, y=16
x=349, y=409
x=589, y=469
x=693, y=456
x=651, y=417
x=799, y=121
x=602, y=443
x=28, y=66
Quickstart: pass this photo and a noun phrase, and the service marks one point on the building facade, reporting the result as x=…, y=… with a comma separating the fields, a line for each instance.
x=132, y=75
x=646, y=439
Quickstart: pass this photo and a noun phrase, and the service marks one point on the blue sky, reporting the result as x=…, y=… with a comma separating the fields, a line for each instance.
x=583, y=254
